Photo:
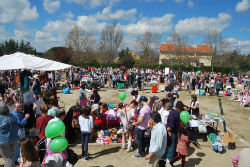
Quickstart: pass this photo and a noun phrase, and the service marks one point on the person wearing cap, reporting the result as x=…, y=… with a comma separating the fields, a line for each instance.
x=9, y=135
x=142, y=124
x=36, y=87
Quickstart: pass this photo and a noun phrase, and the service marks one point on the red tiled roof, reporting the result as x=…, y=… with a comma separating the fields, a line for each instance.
x=200, y=48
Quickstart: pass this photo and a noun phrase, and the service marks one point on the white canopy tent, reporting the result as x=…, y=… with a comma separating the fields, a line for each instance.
x=20, y=60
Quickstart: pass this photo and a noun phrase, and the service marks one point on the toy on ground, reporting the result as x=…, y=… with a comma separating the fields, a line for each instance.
x=102, y=139
x=66, y=90
x=216, y=143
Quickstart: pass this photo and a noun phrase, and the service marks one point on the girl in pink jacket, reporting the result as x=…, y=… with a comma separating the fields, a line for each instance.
x=182, y=146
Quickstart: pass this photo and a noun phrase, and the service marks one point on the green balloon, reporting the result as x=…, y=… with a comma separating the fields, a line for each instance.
x=185, y=117
x=55, y=128
x=199, y=72
x=122, y=96
x=58, y=144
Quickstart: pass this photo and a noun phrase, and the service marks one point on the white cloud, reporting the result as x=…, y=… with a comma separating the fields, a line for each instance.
x=51, y=6
x=68, y=15
x=190, y=4
x=159, y=25
x=90, y=24
x=242, y=6
x=106, y=14
x=90, y=3
x=45, y=40
x=196, y=26
x=22, y=34
x=17, y=11
x=239, y=44
x=244, y=29
x=179, y=1
x=3, y=33
x=155, y=0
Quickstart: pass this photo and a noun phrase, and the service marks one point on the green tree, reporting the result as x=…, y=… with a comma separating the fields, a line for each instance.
x=11, y=46
x=125, y=58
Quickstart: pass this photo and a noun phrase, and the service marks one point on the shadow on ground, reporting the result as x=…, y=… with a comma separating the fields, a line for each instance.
x=104, y=152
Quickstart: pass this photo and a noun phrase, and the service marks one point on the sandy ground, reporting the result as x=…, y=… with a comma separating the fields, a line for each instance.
x=237, y=120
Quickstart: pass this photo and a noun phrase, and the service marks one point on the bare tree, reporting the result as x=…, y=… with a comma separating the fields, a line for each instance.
x=111, y=40
x=218, y=44
x=149, y=43
x=181, y=44
x=81, y=42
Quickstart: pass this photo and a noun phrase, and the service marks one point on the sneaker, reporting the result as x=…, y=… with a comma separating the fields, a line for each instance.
x=88, y=158
x=137, y=156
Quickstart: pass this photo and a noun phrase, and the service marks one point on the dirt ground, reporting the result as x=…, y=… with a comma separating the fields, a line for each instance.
x=237, y=120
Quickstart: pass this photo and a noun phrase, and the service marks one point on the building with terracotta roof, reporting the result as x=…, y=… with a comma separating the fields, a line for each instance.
x=201, y=55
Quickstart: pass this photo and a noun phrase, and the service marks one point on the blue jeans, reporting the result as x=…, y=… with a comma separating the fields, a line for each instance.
x=172, y=101
x=16, y=152
x=172, y=147
x=85, y=141
x=217, y=92
x=139, y=134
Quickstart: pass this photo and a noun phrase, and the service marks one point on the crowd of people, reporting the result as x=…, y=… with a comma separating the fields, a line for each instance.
x=30, y=101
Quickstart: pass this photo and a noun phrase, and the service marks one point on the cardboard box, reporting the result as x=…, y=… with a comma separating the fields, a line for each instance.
x=227, y=137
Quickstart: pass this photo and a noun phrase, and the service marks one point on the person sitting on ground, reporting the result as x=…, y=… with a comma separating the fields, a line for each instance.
x=30, y=157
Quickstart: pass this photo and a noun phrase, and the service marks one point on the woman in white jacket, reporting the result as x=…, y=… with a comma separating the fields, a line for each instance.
x=86, y=126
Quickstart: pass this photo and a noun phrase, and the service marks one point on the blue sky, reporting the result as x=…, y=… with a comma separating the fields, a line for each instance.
x=45, y=23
